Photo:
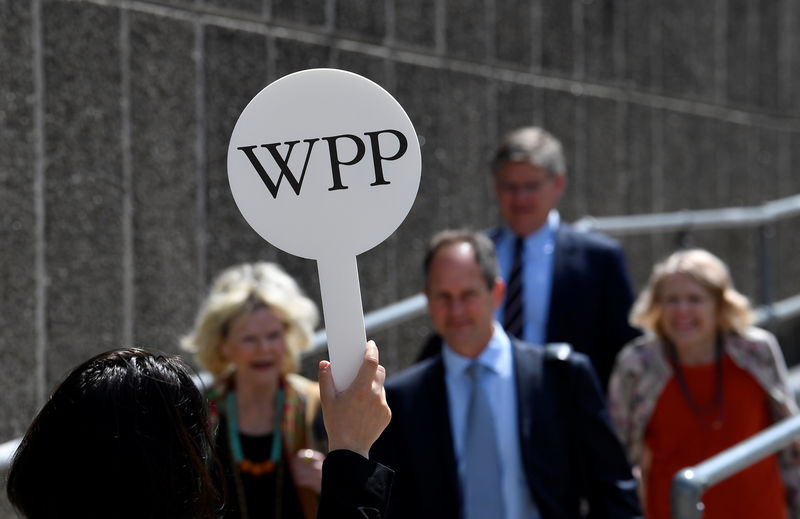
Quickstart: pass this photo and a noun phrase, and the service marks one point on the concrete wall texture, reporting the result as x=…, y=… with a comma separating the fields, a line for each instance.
x=115, y=116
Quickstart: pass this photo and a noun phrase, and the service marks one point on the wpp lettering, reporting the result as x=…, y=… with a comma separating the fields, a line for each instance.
x=296, y=183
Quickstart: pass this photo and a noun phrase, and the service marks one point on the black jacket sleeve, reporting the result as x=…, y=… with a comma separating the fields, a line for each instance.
x=354, y=487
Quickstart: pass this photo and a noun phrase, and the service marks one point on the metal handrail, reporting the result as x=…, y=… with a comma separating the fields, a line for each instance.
x=690, y=483
x=703, y=219
x=754, y=216
x=380, y=319
x=769, y=212
x=778, y=311
x=414, y=307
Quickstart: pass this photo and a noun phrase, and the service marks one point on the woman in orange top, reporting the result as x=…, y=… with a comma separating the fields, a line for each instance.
x=700, y=381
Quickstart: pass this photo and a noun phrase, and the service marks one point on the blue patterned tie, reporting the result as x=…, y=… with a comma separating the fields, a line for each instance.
x=513, y=315
x=483, y=494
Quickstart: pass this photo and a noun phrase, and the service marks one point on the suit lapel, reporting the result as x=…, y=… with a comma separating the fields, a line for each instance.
x=435, y=434
x=560, y=284
x=526, y=377
x=528, y=364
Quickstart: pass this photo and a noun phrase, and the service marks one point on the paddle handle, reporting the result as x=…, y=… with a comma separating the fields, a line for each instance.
x=344, y=317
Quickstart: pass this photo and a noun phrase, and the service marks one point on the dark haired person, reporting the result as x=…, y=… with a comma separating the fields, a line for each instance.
x=125, y=435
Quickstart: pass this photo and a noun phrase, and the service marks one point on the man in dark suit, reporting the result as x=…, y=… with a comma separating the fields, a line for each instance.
x=545, y=442
x=573, y=286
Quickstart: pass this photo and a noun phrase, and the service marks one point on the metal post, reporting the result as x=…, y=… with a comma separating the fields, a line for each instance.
x=764, y=243
x=683, y=240
x=690, y=483
x=687, y=492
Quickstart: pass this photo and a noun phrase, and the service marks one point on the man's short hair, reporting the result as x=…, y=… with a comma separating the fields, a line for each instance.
x=533, y=145
x=482, y=246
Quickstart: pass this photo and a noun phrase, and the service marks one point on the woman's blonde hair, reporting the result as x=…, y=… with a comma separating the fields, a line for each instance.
x=733, y=309
x=238, y=291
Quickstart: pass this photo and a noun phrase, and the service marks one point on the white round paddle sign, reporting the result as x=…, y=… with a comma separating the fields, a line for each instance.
x=325, y=164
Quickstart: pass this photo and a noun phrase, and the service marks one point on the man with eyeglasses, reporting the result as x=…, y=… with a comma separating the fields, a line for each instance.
x=566, y=285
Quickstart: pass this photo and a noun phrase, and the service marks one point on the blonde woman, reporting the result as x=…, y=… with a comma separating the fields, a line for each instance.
x=700, y=381
x=248, y=334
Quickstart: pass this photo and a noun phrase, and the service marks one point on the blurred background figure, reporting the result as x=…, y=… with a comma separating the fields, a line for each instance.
x=248, y=334
x=562, y=285
x=125, y=435
x=700, y=381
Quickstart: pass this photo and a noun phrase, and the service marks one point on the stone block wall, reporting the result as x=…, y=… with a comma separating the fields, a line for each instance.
x=115, y=116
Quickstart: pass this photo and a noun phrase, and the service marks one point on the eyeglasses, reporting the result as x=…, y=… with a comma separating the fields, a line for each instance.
x=525, y=188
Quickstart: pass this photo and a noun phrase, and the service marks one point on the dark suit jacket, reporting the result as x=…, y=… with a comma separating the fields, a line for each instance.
x=590, y=298
x=568, y=447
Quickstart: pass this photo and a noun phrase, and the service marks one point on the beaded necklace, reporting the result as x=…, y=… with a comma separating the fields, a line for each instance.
x=245, y=465
x=717, y=406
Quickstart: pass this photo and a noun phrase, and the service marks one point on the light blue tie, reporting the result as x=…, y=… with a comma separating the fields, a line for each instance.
x=483, y=494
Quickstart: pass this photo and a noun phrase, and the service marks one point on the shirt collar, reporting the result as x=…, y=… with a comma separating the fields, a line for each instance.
x=553, y=220
x=541, y=235
x=496, y=356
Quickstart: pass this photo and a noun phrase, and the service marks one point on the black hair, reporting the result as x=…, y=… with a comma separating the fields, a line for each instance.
x=125, y=435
